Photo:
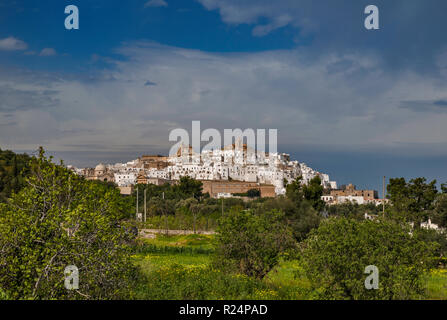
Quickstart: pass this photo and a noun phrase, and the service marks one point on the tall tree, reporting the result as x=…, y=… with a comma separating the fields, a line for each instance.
x=335, y=256
x=313, y=192
x=412, y=200
x=294, y=190
x=251, y=244
x=60, y=219
x=189, y=187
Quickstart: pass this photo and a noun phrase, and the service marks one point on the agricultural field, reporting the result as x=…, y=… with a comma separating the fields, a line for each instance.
x=180, y=267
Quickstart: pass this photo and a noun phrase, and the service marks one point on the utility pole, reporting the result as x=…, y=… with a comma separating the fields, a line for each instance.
x=194, y=213
x=136, y=213
x=383, y=196
x=145, y=209
x=222, y=207
x=166, y=214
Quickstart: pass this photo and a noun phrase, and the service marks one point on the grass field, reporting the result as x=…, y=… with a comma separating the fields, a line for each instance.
x=189, y=275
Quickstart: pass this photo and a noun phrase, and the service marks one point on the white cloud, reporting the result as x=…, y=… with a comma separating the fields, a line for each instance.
x=12, y=44
x=344, y=101
x=156, y=3
x=47, y=52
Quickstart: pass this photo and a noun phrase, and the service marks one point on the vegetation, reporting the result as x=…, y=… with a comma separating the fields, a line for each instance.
x=251, y=244
x=14, y=168
x=252, y=193
x=413, y=200
x=289, y=247
x=57, y=220
x=184, y=275
x=335, y=256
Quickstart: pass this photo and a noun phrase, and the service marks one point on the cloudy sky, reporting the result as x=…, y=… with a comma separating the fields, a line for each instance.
x=354, y=103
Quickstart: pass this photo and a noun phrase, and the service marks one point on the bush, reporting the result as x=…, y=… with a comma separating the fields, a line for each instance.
x=251, y=244
x=3, y=295
x=335, y=256
x=300, y=216
x=60, y=219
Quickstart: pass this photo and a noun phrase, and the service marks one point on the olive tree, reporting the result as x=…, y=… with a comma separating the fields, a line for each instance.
x=250, y=243
x=335, y=256
x=60, y=219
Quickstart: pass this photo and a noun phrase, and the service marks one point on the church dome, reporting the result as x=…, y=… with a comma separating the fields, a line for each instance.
x=100, y=167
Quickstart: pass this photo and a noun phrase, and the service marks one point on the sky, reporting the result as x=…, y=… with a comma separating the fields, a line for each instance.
x=357, y=104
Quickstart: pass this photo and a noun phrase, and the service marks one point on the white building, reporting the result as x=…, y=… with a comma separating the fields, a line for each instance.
x=125, y=179
x=228, y=163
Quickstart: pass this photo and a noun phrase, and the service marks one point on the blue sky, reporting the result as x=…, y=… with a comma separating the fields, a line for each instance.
x=353, y=103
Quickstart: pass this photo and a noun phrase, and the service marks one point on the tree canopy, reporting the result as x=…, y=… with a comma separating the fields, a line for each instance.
x=60, y=219
x=252, y=243
x=14, y=168
x=336, y=254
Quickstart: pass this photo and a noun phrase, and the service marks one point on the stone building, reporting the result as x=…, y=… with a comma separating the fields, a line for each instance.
x=214, y=188
x=351, y=191
x=100, y=173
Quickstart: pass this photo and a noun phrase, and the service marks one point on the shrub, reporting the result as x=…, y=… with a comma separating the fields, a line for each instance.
x=335, y=256
x=251, y=244
x=60, y=219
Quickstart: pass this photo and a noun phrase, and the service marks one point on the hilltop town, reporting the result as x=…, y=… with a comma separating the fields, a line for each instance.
x=232, y=169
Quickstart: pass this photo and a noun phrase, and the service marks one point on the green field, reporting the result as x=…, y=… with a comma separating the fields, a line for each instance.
x=189, y=275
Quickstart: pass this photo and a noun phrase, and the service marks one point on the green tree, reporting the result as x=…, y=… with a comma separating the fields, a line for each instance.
x=300, y=217
x=14, y=169
x=294, y=190
x=444, y=187
x=440, y=210
x=412, y=200
x=189, y=187
x=335, y=256
x=353, y=210
x=251, y=244
x=313, y=192
x=253, y=193
x=60, y=219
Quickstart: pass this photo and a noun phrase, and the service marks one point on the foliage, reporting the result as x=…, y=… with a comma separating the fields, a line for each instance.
x=444, y=187
x=252, y=243
x=252, y=193
x=200, y=282
x=144, y=248
x=434, y=236
x=181, y=240
x=440, y=210
x=188, y=186
x=60, y=219
x=335, y=255
x=294, y=190
x=353, y=210
x=301, y=217
x=183, y=219
x=3, y=295
x=412, y=200
x=14, y=168
x=313, y=192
